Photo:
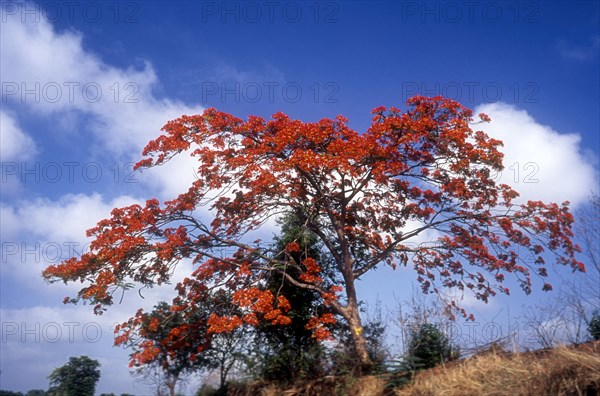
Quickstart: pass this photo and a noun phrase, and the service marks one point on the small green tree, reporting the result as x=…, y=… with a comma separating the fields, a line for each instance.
x=163, y=352
x=428, y=347
x=78, y=377
x=206, y=390
x=594, y=325
x=289, y=353
x=163, y=368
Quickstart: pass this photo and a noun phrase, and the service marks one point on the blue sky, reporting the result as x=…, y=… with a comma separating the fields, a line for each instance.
x=86, y=84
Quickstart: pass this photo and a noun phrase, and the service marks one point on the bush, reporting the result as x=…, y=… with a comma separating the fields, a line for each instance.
x=594, y=326
x=36, y=392
x=428, y=347
x=206, y=390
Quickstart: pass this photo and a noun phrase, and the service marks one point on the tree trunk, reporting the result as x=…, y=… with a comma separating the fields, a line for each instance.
x=171, y=385
x=223, y=375
x=352, y=315
x=358, y=337
x=350, y=312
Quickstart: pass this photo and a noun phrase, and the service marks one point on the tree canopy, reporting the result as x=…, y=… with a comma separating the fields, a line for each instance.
x=77, y=377
x=368, y=198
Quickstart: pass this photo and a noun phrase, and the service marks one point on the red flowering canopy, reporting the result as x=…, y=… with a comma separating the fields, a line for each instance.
x=367, y=197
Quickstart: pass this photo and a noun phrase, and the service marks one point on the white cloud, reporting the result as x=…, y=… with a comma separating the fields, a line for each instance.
x=174, y=177
x=42, y=232
x=73, y=213
x=37, y=54
x=66, y=78
x=540, y=163
x=15, y=145
x=52, y=333
x=10, y=221
x=579, y=52
x=49, y=336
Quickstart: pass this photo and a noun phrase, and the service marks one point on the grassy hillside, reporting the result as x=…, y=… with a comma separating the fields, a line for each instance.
x=559, y=371
x=573, y=370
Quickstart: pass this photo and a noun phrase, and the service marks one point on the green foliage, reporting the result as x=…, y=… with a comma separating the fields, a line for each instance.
x=206, y=390
x=401, y=371
x=428, y=347
x=10, y=393
x=286, y=364
x=291, y=353
x=594, y=325
x=36, y=392
x=343, y=356
x=78, y=377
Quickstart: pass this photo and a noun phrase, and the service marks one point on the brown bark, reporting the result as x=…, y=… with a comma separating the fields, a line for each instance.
x=352, y=316
x=171, y=382
x=358, y=339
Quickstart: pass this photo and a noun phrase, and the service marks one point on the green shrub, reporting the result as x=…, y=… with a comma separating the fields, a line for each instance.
x=428, y=347
x=594, y=326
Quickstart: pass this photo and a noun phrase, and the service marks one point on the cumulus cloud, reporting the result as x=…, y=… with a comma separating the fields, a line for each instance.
x=50, y=332
x=41, y=232
x=122, y=112
x=15, y=145
x=50, y=335
x=540, y=163
x=172, y=178
x=65, y=78
x=74, y=213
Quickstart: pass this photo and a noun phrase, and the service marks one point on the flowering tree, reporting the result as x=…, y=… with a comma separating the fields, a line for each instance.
x=167, y=342
x=367, y=197
x=165, y=345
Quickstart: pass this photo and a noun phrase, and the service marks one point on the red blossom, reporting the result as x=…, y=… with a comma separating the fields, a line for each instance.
x=367, y=197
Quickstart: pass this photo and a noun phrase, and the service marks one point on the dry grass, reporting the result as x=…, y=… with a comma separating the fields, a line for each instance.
x=329, y=386
x=560, y=371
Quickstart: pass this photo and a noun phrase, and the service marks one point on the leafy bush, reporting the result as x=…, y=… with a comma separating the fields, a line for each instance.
x=206, y=390
x=429, y=347
x=594, y=326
